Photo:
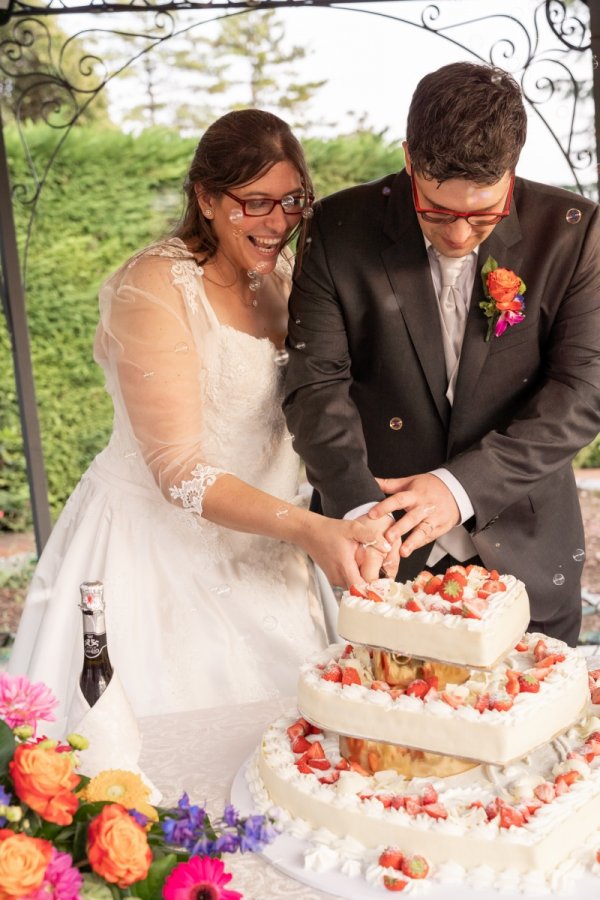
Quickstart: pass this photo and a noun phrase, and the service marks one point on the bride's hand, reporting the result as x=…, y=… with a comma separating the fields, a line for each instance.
x=351, y=551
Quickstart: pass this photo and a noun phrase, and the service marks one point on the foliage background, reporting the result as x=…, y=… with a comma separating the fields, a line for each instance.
x=108, y=194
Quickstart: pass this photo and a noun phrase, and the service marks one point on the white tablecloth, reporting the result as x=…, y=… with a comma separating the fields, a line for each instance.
x=202, y=751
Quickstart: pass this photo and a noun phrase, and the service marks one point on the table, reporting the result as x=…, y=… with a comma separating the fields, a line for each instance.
x=201, y=752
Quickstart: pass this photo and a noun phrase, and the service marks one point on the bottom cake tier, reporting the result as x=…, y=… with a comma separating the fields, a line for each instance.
x=528, y=817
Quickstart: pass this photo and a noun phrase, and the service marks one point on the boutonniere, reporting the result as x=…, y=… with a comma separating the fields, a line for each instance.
x=504, y=291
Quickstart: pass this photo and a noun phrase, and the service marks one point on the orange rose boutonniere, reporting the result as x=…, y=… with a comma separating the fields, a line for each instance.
x=504, y=291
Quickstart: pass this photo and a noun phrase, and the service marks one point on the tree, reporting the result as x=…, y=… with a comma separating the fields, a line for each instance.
x=48, y=76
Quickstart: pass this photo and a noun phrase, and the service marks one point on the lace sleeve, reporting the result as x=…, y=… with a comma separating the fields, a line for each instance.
x=150, y=318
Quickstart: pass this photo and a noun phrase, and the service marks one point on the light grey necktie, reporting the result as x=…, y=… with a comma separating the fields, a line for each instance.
x=453, y=317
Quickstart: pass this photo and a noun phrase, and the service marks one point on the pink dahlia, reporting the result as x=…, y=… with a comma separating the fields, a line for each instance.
x=61, y=881
x=201, y=878
x=23, y=703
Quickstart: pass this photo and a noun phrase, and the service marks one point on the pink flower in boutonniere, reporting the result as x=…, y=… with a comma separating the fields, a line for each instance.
x=504, y=291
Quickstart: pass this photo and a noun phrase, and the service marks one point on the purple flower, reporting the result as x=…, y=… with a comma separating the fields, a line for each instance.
x=228, y=843
x=138, y=817
x=258, y=832
x=186, y=826
x=5, y=799
x=230, y=816
x=510, y=317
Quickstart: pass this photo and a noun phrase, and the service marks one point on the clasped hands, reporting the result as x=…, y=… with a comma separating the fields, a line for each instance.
x=430, y=511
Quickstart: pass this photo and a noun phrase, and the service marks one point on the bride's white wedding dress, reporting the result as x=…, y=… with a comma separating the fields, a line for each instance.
x=197, y=615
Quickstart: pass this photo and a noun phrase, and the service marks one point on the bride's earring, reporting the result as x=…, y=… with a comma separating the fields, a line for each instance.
x=207, y=213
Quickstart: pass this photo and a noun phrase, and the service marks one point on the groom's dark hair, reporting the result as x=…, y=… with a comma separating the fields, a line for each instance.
x=466, y=121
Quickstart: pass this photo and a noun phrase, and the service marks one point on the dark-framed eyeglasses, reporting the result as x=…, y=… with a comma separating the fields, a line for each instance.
x=291, y=204
x=448, y=216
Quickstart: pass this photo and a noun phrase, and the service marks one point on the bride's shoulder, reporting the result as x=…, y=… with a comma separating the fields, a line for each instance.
x=169, y=249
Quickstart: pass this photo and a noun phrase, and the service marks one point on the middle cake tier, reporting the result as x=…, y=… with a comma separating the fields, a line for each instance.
x=493, y=716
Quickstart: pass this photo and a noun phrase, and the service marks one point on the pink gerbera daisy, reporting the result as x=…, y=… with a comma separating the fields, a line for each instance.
x=201, y=878
x=24, y=703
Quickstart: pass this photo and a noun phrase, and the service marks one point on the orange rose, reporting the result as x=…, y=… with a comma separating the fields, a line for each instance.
x=118, y=850
x=23, y=864
x=503, y=286
x=44, y=780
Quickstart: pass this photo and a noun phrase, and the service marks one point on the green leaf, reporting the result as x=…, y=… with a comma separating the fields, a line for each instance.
x=151, y=887
x=7, y=747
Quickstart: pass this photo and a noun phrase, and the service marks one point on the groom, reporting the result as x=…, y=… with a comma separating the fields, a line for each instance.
x=470, y=416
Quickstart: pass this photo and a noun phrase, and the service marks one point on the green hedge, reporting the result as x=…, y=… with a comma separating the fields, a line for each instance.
x=107, y=194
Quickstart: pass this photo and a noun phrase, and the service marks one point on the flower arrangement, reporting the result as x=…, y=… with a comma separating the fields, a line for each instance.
x=66, y=836
x=504, y=291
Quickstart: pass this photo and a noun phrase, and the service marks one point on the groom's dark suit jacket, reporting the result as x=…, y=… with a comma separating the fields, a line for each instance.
x=366, y=355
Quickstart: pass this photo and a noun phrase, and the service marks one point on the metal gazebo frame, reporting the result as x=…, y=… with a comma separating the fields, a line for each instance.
x=571, y=33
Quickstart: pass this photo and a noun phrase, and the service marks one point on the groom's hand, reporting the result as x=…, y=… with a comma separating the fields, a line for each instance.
x=383, y=553
x=430, y=510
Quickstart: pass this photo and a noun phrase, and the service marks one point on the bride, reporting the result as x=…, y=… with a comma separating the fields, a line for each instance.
x=190, y=515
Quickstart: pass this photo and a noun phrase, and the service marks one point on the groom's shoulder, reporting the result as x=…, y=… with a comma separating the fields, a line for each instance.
x=547, y=194
x=371, y=196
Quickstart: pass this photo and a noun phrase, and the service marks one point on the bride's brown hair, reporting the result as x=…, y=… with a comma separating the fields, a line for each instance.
x=234, y=151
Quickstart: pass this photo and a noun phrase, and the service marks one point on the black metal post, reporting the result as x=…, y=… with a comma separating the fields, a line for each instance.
x=13, y=301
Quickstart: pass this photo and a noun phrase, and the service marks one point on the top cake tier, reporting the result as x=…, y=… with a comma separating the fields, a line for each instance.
x=469, y=617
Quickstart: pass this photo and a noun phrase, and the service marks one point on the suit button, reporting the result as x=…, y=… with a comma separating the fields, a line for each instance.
x=396, y=424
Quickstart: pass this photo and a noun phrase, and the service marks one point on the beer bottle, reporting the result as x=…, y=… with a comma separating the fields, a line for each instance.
x=97, y=670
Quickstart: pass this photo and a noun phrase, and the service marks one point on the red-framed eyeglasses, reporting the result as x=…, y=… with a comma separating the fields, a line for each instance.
x=291, y=204
x=448, y=216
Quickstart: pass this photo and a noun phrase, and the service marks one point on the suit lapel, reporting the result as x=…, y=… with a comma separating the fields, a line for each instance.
x=407, y=266
x=505, y=246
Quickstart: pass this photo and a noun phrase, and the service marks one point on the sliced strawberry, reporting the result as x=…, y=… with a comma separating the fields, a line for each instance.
x=567, y=778
x=316, y=751
x=415, y=866
x=385, y=799
x=458, y=571
x=322, y=764
x=474, y=607
x=478, y=570
x=303, y=767
x=314, y=729
x=350, y=676
x=391, y=883
x=348, y=651
x=343, y=765
x=528, y=684
x=432, y=681
x=297, y=729
x=433, y=585
x=429, y=794
x=494, y=575
x=357, y=592
x=501, y=701
x=300, y=745
x=391, y=858
x=493, y=587
x=452, y=589
x=492, y=808
x=551, y=660
x=436, y=810
x=482, y=702
x=512, y=686
x=413, y=806
x=421, y=580
x=414, y=605
x=330, y=777
x=538, y=672
x=374, y=596
x=417, y=688
x=380, y=686
x=398, y=801
x=595, y=696
x=510, y=817
x=540, y=650
x=332, y=672
x=522, y=646
x=546, y=792
x=452, y=700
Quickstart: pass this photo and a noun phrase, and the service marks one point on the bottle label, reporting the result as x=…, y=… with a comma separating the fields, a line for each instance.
x=93, y=645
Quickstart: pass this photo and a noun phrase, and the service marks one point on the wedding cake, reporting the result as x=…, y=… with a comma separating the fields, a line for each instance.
x=446, y=743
